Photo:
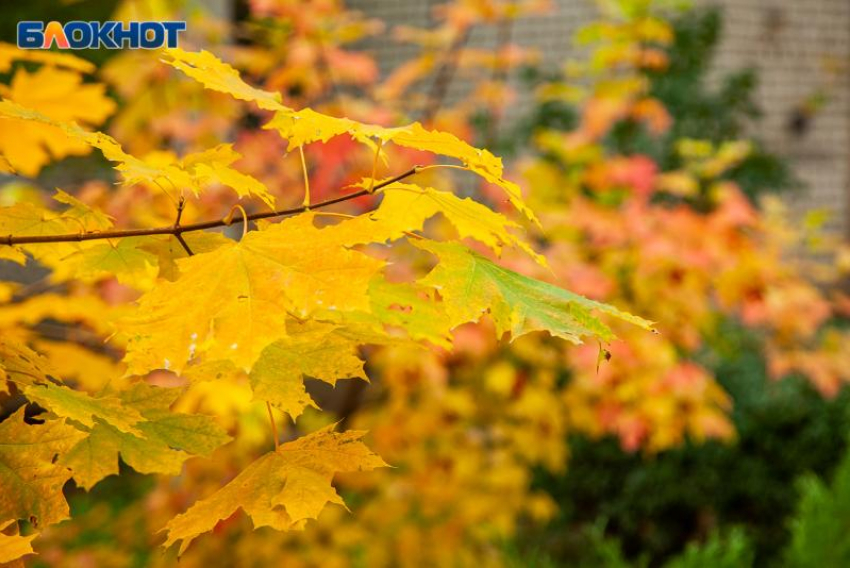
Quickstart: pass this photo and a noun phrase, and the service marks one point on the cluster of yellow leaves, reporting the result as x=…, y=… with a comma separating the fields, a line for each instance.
x=463, y=427
x=287, y=301
x=55, y=89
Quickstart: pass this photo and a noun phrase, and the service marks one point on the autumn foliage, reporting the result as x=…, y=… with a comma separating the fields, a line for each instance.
x=268, y=220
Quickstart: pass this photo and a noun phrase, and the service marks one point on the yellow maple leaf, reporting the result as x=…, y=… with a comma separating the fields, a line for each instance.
x=61, y=95
x=22, y=365
x=283, y=488
x=234, y=299
x=214, y=74
x=314, y=351
x=13, y=547
x=410, y=205
x=164, y=170
x=10, y=53
x=307, y=126
x=30, y=479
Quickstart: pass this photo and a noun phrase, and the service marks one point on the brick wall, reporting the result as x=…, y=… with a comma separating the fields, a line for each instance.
x=792, y=43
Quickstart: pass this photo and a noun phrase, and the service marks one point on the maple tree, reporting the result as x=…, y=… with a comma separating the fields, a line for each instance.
x=465, y=417
x=284, y=301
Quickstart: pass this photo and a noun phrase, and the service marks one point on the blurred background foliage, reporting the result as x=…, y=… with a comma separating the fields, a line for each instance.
x=720, y=442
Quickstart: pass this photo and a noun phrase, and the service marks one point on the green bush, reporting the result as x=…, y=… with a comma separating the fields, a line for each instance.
x=656, y=505
x=820, y=531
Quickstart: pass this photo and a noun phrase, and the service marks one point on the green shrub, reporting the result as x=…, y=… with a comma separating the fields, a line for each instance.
x=820, y=531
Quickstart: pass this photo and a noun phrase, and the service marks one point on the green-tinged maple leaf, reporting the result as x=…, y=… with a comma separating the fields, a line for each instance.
x=283, y=488
x=404, y=306
x=167, y=439
x=315, y=351
x=123, y=258
x=30, y=479
x=22, y=365
x=234, y=299
x=193, y=433
x=471, y=285
x=82, y=408
x=96, y=456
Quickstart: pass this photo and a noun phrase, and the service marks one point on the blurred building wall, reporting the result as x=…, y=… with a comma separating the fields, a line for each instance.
x=801, y=49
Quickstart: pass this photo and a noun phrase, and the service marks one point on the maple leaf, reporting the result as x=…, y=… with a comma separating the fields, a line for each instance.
x=13, y=547
x=22, y=365
x=410, y=205
x=472, y=285
x=396, y=305
x=214, y=74
x=125, y=259
x=235, y=298
x=74, y=309
x=167, y=439
x=213, y=166
x=315, y=351
x=307, y=126
x=193, y=172
x=61, y=95
x=89, y=369
x=30, y=480
x=283, y=488
x=168, y=249
x=85, y=409
x=10, y=53
x=88, y=218
x=5, y=166
x=27, y=219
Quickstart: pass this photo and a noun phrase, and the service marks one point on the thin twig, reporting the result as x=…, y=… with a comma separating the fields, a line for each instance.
x=201, y=226
x=179, y=236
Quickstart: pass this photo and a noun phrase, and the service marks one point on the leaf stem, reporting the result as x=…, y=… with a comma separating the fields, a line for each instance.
x=273, y=425
x=306, y=202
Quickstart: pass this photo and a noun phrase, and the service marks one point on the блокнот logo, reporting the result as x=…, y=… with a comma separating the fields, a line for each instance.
x=92, y=35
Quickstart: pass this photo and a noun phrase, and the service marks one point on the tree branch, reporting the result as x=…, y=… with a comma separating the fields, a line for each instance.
x=177, y=229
